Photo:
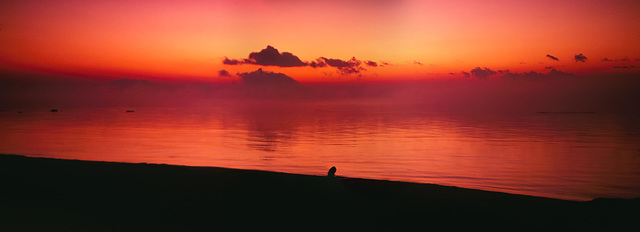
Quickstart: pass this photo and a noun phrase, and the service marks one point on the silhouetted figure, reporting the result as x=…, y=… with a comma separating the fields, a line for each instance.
x=332, y=171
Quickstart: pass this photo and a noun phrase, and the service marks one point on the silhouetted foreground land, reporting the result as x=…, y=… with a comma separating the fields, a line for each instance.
x=48, y=194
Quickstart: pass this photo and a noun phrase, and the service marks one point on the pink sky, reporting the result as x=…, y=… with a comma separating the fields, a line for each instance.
x=418, y=39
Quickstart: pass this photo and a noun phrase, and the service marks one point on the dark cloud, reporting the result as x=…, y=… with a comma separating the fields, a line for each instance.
x=224, y=73
x=615, y=60
x=319, y=63
x=345, y=67
x=529, y=75
x=552, y=57
x=228, y=61
x=466, y=74
x=382, y=64
x=482, y=72
x=352, y=66
x=416, y=62
x=627, y=66
x=262, y=78
x=580, y=58
x=548, y=67
x=272, y=57
x=452, y=74
x=536, y=75
x=371, y=63
x=558, y=73
x=268, y=57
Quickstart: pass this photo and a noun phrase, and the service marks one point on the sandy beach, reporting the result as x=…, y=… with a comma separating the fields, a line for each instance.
x=42, y=194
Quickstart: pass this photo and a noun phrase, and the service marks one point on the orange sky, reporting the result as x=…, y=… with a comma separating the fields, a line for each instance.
x=190, y=39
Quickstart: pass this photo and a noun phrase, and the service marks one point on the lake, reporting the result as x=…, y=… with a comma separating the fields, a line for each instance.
x=567, y=155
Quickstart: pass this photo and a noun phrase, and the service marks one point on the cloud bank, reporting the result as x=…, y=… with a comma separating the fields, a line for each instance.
x=268, y=79
x=482, y=72
x=626, y=66
x=536, y=75
x=626, y=59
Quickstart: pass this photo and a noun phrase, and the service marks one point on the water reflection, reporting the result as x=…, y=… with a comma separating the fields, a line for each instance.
x=569, y=156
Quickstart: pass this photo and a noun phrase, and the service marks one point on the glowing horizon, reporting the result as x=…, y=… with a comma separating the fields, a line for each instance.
x=189, y=40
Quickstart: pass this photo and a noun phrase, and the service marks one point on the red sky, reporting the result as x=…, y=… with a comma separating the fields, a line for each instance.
x=418, y=39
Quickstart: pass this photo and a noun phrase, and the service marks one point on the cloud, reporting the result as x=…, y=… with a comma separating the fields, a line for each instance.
x=224, y=73
x=466, y=74
x=552, y=57
x=536, y=75
x=268, y=57
x=352, y=66
x=580, y=58
x=319, y=63
x=272, y=57
x=615, y=60
x=529, y=75
x=482, y=72
x=371, y=63
x=548, y=67
x=262, y=78
x=227, y=61
x=627, y=66
x=416, y=62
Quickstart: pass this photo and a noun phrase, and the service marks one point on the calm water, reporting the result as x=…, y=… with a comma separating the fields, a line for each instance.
x=570, y=156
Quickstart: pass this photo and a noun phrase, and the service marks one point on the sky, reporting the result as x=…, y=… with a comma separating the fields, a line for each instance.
x=324, y=41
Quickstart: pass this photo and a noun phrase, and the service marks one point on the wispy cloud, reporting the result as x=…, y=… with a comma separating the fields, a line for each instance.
x=532, y=75
x=552, y=57
x=626, y=59
x=626, y=66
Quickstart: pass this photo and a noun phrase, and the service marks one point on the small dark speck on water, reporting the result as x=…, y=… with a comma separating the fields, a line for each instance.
x=54, y=110
x=129, y=111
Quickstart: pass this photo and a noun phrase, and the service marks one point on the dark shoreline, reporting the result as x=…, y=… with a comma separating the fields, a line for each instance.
x=43, y=194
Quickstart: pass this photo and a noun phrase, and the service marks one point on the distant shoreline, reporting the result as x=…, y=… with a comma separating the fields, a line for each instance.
x=46, y=194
